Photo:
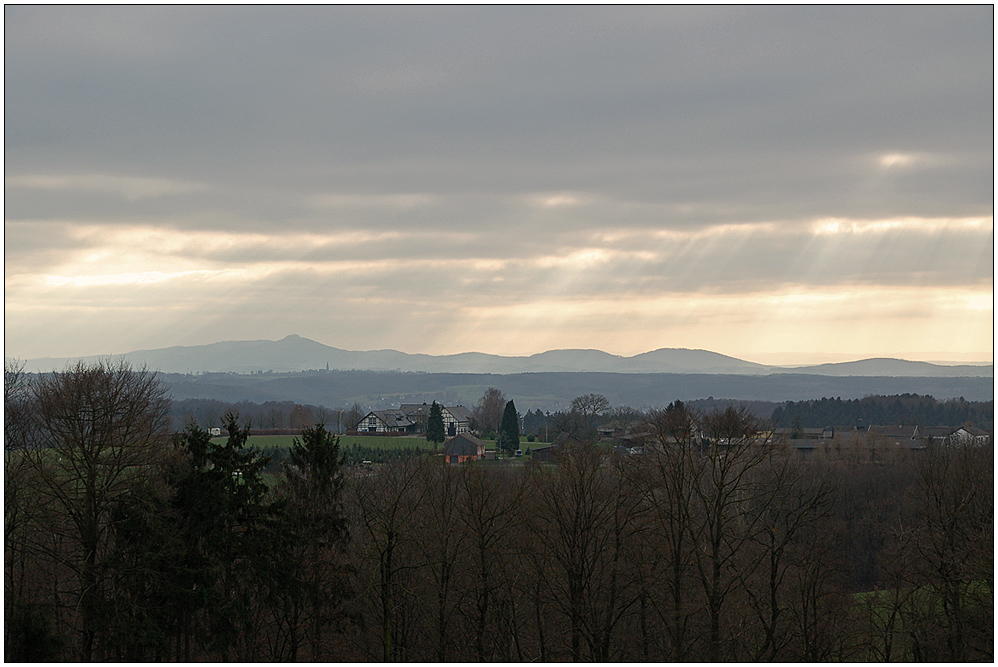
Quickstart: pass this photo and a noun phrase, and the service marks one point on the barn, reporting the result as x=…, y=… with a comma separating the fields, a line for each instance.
x=464, y=447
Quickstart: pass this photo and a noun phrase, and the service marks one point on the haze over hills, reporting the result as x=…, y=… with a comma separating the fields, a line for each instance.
x=553, y=391
x=294, y=353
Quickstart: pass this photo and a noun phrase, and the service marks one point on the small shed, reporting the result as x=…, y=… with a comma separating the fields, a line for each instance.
x=464, y=447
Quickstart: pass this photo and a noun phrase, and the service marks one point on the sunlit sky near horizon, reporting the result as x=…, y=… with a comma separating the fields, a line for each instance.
x=780, y=184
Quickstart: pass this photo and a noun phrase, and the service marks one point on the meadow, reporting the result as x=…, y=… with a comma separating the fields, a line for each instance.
x=386, y=443
x=354, y=449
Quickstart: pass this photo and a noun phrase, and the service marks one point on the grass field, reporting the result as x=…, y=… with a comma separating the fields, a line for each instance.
x=370, y=441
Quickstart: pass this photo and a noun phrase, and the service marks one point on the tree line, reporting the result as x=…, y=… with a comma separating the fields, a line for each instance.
x=267, y=415
x=127, y=540
x=910, y=409
x=489, y=413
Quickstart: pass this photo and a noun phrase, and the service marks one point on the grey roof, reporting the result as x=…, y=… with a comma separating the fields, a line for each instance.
x=901, y=432
x=936, y=431
x=460, y=413
x=395, y=418
x=812, y=433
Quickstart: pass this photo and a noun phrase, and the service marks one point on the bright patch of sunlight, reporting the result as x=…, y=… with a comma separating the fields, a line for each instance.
x=559, y=200
x=840, y=320
x=181, y=242
x=579, y=259
x=142, y=278
x=718, y=231
x=829, y=226
x=892, y=160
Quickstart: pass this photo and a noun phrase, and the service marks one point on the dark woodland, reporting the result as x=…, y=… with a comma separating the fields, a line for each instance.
x=130, y=538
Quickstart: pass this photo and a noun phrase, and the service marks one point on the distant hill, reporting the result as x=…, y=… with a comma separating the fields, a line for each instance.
x=294, y=353
x=894, y=368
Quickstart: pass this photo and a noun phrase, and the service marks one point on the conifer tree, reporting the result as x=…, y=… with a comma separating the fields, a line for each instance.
x=510, y=429
x=312, y=531
x=222, y=506
x=435, y=424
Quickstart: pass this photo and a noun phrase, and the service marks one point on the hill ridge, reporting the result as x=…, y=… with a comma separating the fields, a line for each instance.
x=296, y=353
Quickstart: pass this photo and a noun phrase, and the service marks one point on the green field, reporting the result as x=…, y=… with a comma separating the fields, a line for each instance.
x=355, y=449
x=370, y=441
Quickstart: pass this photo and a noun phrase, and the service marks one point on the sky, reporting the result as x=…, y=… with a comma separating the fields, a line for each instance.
x=780, y=184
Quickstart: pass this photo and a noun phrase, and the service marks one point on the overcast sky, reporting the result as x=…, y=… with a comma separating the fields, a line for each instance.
x=781, y=184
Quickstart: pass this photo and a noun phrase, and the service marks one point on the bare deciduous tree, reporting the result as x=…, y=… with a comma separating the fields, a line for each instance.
x=443, y=546
x=491, y=504
x=100, y=427
x=488, y=412
x=721, y=522
x=585, y=525
x=588, y=408
x=387, y=502
x=623, y=418
x=19, y=507
x=302, y=416
x=953, y=546
x=786, y=505
x=352, y=416
x=668, y=485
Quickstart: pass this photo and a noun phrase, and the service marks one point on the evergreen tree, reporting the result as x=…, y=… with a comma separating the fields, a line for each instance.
x=311, y=533
x=221, y=503
x=315, y=463
x=510, y=429
x=435, y=424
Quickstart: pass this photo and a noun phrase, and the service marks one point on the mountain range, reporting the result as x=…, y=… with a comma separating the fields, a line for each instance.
x=295, y=353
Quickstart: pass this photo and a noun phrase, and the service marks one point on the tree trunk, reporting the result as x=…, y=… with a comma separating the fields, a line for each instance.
x=539, y=621
x=644, y=625
x=386, y=604
x=89, y=593
x=575, y=602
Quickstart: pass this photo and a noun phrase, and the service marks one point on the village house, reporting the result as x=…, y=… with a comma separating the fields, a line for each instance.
x=387, y=421
x=971, y=435
x=946, y=435
x=464, y=447
x=457, y=418
x=411, y=418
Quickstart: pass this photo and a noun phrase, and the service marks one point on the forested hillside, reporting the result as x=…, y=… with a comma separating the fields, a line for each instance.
x=910, y=409
x=128, y=541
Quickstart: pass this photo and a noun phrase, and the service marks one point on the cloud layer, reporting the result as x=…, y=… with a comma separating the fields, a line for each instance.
x=504, y=179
